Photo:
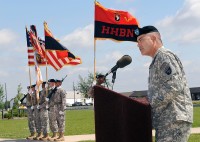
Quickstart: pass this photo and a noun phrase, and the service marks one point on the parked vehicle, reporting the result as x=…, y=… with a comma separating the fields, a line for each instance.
x=89, y=104
x=68, y=105
x=77, y=104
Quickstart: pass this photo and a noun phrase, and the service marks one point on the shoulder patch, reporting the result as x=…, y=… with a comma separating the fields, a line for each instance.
x=166, y=68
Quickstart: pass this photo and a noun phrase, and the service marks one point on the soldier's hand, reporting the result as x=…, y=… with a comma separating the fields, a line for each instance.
x=47, y=99
x=30, y=92
x=32, y=107
x=38, y=106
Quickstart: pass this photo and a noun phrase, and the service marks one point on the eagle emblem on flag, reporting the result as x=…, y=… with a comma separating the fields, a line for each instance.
x=117, y=17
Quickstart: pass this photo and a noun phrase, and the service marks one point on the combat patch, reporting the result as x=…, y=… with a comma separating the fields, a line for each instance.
x=166, y=68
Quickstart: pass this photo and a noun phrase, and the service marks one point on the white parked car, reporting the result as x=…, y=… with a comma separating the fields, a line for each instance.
x=68, y=105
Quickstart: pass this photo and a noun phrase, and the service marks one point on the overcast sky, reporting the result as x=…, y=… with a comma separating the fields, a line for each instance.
x=72, y=22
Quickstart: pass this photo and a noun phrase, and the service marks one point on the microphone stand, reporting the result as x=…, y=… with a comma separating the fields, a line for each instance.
x=106, y=84
x=113, y=78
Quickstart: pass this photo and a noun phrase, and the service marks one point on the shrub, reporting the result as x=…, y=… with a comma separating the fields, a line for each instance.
x=7, y=115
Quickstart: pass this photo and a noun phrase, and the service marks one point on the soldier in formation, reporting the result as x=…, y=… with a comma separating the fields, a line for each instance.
x=60, y=104
x=44, y=117
x=48, y=112
x=36, y=113
x=51, y=108
x=30, y=109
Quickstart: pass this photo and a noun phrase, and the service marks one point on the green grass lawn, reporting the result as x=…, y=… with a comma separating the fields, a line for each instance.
x=196, y=118
x=77, y=122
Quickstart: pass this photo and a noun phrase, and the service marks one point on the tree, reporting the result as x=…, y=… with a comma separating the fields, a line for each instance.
x=18, y=96
x=1, y=97
x=85, y=83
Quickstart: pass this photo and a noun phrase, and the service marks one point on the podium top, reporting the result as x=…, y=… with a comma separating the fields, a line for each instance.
x=103, y=90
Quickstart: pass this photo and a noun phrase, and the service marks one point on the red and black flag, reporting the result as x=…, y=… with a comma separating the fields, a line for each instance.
x=114, y=24
x=52, y=44
x=57, y=58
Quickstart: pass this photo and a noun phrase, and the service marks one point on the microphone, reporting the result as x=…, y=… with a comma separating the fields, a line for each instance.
x=122, y=62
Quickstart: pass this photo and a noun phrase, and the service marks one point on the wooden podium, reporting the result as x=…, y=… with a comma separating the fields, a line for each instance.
x=121, y=119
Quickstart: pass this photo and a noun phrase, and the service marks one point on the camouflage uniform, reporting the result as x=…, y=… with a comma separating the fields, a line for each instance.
x=174, y=132
x=31, y=122
x=36, y=113
x=169, y=96
x=52, y=114
x=44, y=118
x=60, y=105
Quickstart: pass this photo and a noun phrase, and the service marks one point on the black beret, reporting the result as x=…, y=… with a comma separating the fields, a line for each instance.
x=99, y=76
x=145, y=30
x=51, y=80
x=32, y=86
x=44, y=82
x=57, y=80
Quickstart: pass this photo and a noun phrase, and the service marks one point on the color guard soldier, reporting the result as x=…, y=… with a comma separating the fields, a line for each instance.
x=60, y=105
x=30, y=109
x=44, y=117
x=52, y=111
x=36, y=115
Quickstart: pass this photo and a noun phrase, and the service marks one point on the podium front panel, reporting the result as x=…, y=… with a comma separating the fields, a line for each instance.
x=121, y=119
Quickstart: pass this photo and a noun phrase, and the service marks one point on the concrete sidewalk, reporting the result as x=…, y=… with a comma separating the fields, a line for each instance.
x=76, y=138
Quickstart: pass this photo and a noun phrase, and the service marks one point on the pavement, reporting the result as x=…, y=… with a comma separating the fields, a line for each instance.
x=77, y=138
x=73, y=138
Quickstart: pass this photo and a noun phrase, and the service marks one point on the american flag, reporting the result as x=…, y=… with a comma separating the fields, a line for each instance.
x=50, y=56
x=31, y=52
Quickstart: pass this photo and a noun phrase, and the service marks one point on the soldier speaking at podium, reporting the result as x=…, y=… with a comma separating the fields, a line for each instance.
x=168, y=91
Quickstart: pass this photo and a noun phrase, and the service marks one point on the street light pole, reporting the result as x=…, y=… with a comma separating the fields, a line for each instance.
x=6, y=97
x=74, y=91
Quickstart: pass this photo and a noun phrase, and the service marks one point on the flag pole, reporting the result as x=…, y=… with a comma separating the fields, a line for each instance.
x=94, y=45
x=94, y=59
x=46, y=66
x=46, y=74
x=29, y=75
x=30, y=86
x=46, y=63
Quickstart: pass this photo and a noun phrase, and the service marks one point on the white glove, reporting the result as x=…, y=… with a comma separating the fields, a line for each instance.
x=19, y=102
x=47, y=107
x=47, y=99
x=32, y=107
x=38, y=106
x=94, y=83
x=60, y=112
x=30, y=91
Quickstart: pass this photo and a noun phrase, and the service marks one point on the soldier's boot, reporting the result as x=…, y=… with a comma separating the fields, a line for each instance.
x=45, y=138
x=39, y=135
x=61, y=137
x=31, y=136
x=53, y=137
